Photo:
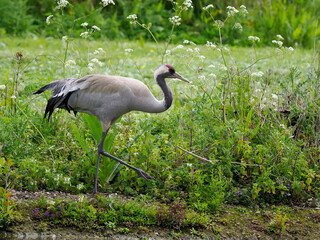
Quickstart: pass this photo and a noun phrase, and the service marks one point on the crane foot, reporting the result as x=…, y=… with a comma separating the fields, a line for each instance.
x=144, y=174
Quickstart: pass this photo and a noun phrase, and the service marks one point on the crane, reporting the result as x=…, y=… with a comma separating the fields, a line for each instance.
x=108, y=98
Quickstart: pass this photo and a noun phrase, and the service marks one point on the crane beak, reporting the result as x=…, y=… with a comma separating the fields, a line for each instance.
x=178, y=76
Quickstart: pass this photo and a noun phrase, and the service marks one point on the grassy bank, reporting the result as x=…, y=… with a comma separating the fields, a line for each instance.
x=245, y=131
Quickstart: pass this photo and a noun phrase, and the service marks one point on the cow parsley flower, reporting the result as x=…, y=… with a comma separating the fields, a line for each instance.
x=254, y=39
x=187, y=4
x=243, y=10
x=279, y=43
x=210, y=44
x=280, y=37
x=84, y=24
x=257, y=74
x=65, y=38
x=237, y=26
x=84, y=34
x=62, y=4
x=95, y=60
x=48, y=19
x=290, y=49
x=105, y=3
x=231, y=11
x=128, y=50
x=133, y=18
x=207, y=7
x=70, y=63
x=2, y=87
x=175, y=20
x=94, y=27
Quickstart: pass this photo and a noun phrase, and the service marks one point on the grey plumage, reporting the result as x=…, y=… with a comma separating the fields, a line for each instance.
x=108, y=98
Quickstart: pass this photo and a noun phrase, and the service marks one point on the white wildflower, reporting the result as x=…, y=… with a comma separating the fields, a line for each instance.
x=237, y=26
x=226, y=49
x=207, y=7
x=98, y=51
x=81, y=197
x=279, y=43
x=168, y=52
x=189, y=50
x=187, y=4
x=231, y=11
x=212, y=75
x=197, y=50
x=175, y=20
x=95, y=60
x=186, y=42
x=128, y=50
x=280, y=37
x=84, y=34
x=62, y=4
x=91, y=66
x=80, y=186
x=257, y=74
x=211, y=66
x=290, y=49
x=48, y=19
x=2, y=87
x=243, y=10
x=202, y=77
x=189, y=164
x=107, y=2
x=254, y=39
x=94, y=27
x=210, y=44
x=223, y=67
x=13, y=97
x=84, y=24
x=133, y=18
x=202, y=57
x=70, y=63
x=274, y=96
x=65, y=38
x=67, y=180
x=218, y=23
x=179, y=46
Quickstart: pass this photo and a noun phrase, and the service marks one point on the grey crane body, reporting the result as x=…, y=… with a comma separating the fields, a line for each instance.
x=108, y=98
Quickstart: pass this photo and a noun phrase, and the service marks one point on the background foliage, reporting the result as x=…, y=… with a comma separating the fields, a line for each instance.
x=296, y=19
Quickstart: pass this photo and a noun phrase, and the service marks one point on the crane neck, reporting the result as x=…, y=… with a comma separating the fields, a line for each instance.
x=167, y=101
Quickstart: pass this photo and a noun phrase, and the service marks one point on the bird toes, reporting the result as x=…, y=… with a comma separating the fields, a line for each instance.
x=145, y=175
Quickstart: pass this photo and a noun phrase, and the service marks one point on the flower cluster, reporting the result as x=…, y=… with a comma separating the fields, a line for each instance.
x=95, y=28
x=105, y=3
x=98, y=51
x=237, y=26
x=175, y=20
x=207, y=7
x=231, y=11
x=48, y=19
x=62, y=4
x=243, y=10
x=210, y=44
x=2, y=87
x=254, y=39
x=257, y=74
x=133, y=18
x=87, y=33
x=279, y=43
x=84, y=34
x=187, y=4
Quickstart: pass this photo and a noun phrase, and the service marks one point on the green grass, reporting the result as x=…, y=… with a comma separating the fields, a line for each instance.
x=260, y=155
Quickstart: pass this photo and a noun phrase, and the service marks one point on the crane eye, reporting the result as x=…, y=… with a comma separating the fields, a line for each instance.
x=171, y=71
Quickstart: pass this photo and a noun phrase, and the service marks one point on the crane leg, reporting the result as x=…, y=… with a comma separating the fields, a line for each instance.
x=101, y=151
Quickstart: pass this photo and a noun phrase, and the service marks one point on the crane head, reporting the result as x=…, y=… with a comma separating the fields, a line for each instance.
x=167, y=71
